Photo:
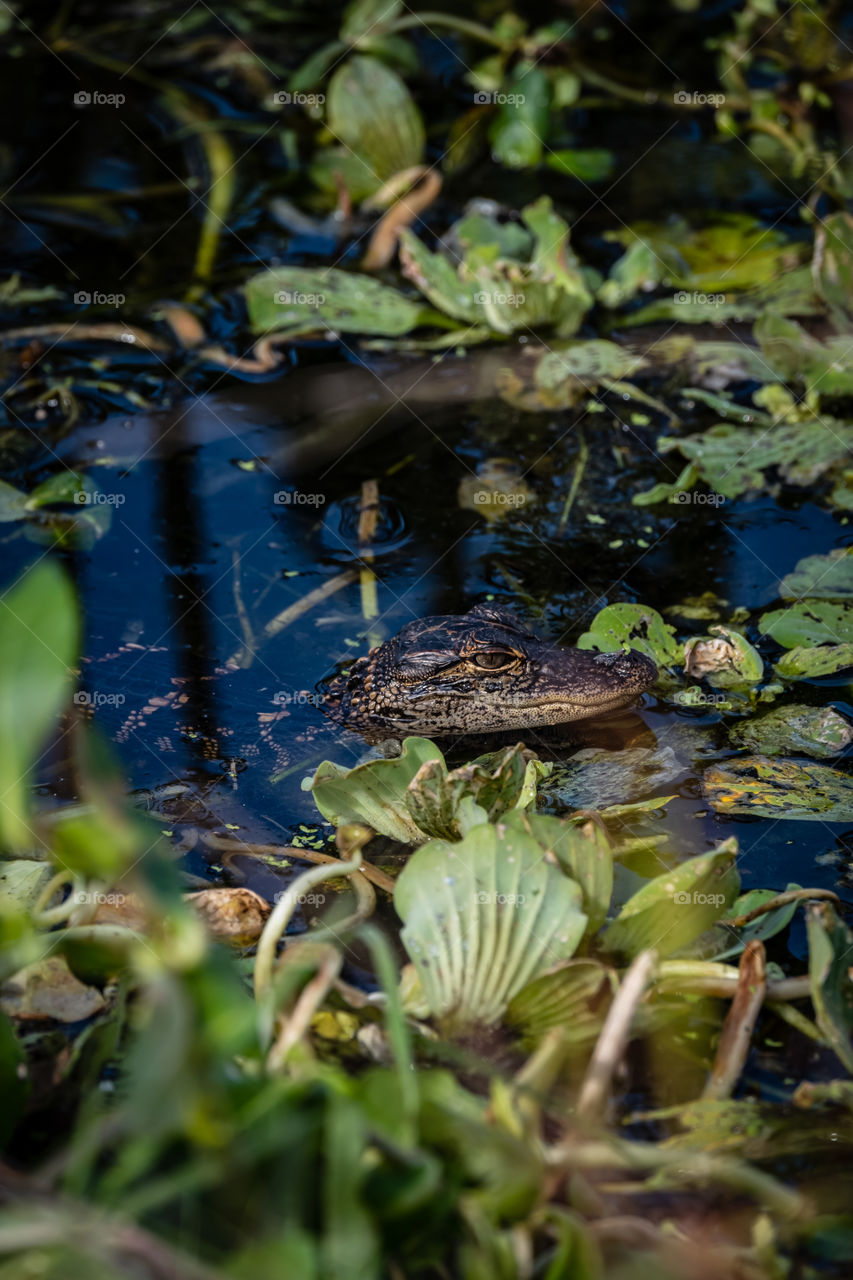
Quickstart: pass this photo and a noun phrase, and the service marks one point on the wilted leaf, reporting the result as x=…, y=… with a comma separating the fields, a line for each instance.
x=235, y=915
x=675, y=908
x=727, y=662
x=483, y=918
x=373, y=793
x=497, y=489
x=771, y=788
x=813, y=731
x=49, y=989
x=830, y=951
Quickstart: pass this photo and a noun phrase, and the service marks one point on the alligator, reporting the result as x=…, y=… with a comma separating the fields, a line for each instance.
x=477, y=673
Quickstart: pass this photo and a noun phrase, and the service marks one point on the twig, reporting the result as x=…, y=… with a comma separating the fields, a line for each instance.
x=580, y=468
x=613, y=1040
x=367, y=869
x=781, y=900
x=739, y=1025
x=245, y=657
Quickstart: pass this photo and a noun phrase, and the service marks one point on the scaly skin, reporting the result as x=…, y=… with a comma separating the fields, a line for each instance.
x=481, y=672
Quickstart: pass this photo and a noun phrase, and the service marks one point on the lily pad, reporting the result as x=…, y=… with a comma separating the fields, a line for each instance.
x=675, y=908
x=828, y=577
x=806, y=663
x=820, y=732
x=595, y=778
x=732, y=460
x=771, y=788
x=305, y=299
x=482, y=919
x=633, y=626
x=373, y=793
x=809, y=622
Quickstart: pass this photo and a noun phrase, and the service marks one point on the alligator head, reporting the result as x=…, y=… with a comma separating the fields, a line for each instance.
x=481, y=672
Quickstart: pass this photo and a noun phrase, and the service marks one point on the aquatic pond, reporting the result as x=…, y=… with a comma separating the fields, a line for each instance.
x=307, y=335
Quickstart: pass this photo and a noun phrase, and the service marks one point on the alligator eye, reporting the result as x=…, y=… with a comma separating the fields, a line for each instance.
x=493, y=661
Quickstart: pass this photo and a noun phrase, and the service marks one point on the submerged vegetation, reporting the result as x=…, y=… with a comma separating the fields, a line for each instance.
x=492, y=1016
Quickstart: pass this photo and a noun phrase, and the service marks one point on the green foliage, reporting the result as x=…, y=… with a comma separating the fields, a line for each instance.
x=38, y=643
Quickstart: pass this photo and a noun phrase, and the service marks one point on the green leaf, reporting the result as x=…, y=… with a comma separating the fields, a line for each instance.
x=824, y=660
x=828, y=577
x=370, y=110
x=588, y=164
x=759, y=930
x=446, y=805
x=38, y=641
x=675, y=908
x=585, y=854
x=368, y=18
x=830, y=948
x=304, y=299
x=820, y=732
x=483, y=918
x=22, y=880
x=575, y=997
x=522, y=121
x=813, y=622
x=770, y=788
x=373, y=793
x=633, y=626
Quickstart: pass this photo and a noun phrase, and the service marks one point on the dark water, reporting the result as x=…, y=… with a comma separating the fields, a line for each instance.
x=190, y=526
